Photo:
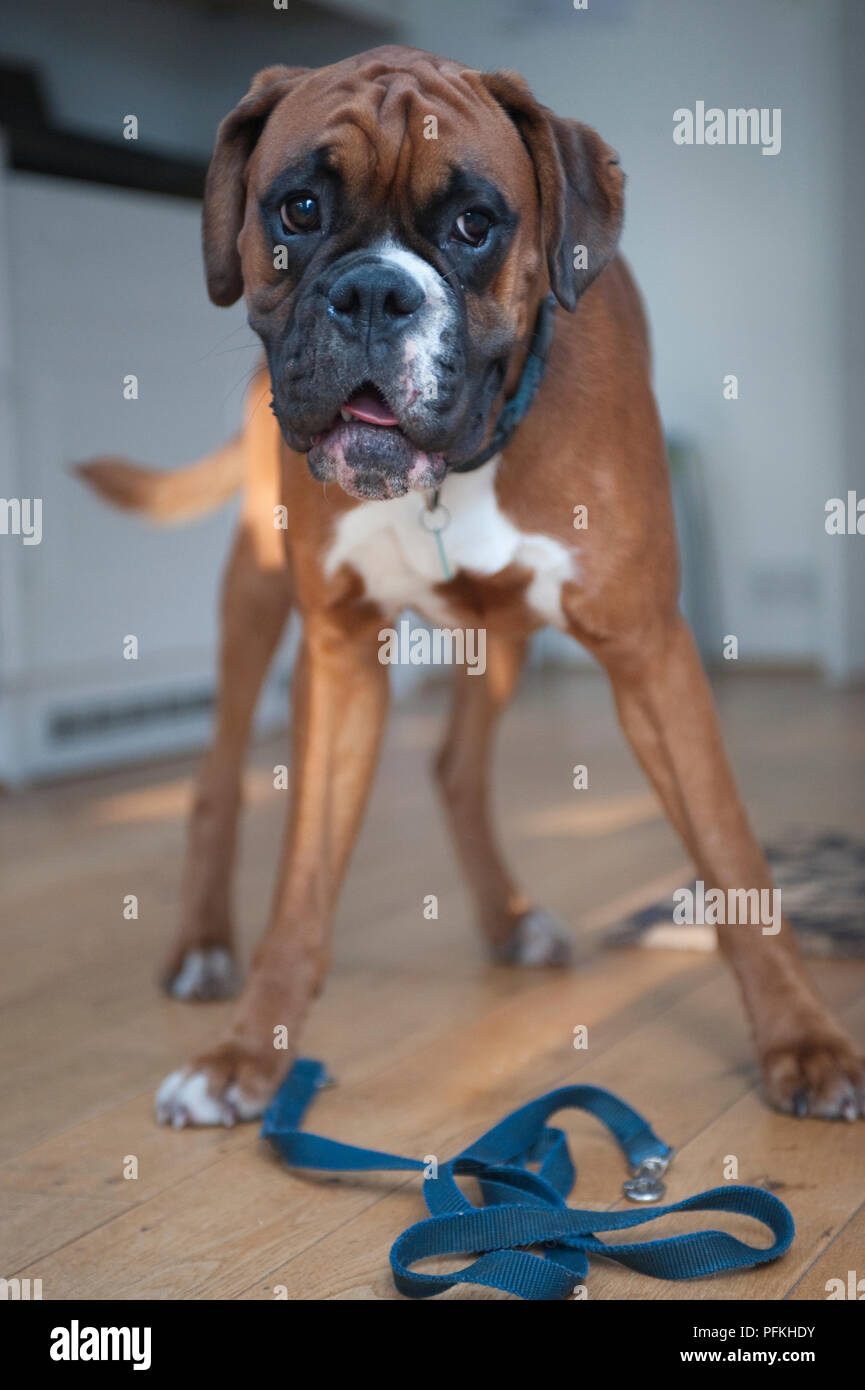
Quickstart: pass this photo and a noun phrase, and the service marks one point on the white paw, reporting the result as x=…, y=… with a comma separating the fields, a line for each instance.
x=208, y=973
x=537, y=939
x=184, y=1099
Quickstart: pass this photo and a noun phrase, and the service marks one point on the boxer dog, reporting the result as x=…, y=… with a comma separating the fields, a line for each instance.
x=416, y=241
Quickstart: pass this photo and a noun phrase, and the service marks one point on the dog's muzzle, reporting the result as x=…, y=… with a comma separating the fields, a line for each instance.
x=375, y=308
x=370, y=380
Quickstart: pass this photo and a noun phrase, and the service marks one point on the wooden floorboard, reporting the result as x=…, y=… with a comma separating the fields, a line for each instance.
x=429, y=1044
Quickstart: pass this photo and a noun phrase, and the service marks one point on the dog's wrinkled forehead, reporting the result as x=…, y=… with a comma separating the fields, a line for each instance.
x=396, y=124
x=394, y=135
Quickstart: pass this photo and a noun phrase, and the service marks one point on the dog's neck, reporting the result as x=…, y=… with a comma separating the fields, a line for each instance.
x=516, y=406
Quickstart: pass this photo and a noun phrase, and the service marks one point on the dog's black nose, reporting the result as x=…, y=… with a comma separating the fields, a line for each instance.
x=375, y=299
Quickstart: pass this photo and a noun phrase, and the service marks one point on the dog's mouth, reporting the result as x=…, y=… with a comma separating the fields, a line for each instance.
x=368, y=453
x=367, y=405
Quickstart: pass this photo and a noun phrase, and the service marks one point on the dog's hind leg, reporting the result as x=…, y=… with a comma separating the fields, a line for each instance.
x=811, y=1066
x=255, y=606
x=515, y=932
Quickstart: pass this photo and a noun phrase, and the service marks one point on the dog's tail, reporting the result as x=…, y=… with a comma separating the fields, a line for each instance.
x=165, y=495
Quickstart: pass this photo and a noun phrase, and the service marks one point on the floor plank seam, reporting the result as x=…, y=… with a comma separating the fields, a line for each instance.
x=860, y=1210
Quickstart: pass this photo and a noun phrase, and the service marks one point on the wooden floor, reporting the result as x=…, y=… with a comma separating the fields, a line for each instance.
x=429, y=1044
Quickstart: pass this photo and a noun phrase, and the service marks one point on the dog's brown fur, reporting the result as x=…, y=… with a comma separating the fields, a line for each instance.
x=593, y=437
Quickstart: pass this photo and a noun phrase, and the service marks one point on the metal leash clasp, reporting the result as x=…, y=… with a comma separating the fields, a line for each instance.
x=644, y=1184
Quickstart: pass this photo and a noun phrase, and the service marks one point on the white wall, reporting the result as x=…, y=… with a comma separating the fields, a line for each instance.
x=178, y=66
x=845, y=555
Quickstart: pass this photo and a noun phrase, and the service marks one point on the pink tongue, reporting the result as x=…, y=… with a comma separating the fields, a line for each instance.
x=365, y=406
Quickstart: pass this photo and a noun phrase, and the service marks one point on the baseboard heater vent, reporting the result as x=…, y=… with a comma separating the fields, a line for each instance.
x=104, y=721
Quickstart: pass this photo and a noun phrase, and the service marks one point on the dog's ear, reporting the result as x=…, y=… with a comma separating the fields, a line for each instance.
x=225, y=187
x=580, y=184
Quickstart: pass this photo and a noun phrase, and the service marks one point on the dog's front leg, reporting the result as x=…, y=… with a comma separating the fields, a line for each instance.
x=256, y=603
x=666, y=709
x=340, y=704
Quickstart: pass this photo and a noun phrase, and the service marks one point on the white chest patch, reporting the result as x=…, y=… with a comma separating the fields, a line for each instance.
x=399, y=561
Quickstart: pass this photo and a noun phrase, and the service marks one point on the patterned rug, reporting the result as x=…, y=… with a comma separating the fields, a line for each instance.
x=822, y=882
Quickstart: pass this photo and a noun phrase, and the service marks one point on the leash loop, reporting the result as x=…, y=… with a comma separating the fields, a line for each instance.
x=524, y=1238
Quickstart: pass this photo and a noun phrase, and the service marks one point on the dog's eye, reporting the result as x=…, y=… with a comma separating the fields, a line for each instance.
x=300, y=213
x=471, y=227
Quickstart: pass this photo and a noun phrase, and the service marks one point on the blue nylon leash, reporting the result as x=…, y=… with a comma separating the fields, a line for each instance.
x=522, y=1207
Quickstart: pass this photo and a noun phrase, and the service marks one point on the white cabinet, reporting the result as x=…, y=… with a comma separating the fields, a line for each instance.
x=98, y=283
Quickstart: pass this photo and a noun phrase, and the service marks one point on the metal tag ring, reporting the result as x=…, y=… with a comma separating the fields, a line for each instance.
x=429, y=514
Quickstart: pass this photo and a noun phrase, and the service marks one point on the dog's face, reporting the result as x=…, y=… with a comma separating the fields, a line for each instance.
x=394, y=221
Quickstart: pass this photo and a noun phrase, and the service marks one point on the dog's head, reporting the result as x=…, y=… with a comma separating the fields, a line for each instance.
x=394, y=221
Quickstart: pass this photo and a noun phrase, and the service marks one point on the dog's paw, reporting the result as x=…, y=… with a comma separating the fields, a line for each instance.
x=227, y=1085
x=185, y=1098
x=536, y=939
x=204, y=974
x=822, y=1076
